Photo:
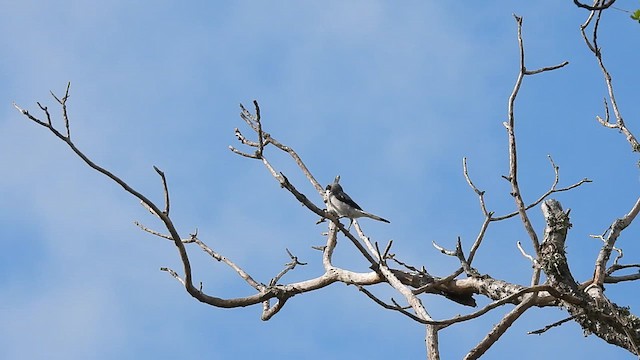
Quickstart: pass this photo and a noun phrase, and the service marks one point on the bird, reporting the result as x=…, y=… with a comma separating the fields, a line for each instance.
x=341, y=204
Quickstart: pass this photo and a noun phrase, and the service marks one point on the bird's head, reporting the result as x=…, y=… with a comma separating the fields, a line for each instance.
x=334, y=185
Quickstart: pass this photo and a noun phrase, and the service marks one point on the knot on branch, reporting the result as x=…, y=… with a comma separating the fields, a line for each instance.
x=557, y=220
x=553, y=258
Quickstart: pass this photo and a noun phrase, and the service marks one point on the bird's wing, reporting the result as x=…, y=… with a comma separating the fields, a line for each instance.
x=342, y=196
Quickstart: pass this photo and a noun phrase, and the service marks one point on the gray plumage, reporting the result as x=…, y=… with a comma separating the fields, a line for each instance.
x=341, y=204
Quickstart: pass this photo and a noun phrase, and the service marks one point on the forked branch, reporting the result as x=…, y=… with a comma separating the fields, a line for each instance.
x=510, y=126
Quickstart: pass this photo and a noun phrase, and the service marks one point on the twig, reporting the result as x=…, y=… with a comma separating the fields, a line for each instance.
x=174, y=274
x=616, y=279
x=497, y=303
x=479, y=192
x=288, y=266
x=542, y=198
x=264, y=139
x=165, y=188
x=615, y=267
x=392, y=257
x=610, y=279
x=63, y=103
x=260, y=133
x=385, y=255
x=597, y=52
x=479, y=238
x=411, y=298
x=153, y=232
x=500, y=328
x=593, y=8
x=616, y=228
x=394, y=307
x=459, y=254
x=236, y=151
x=243, y=274
x=443, y=250
x=557, y=323
x=534, y=263
x=510, y=126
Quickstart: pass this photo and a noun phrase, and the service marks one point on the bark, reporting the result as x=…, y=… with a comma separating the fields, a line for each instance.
x=593, y=311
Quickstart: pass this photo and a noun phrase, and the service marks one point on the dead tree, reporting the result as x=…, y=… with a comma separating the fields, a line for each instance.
x=583, y=300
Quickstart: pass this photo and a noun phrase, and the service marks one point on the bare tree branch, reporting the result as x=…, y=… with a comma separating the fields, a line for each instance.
x=597, y=52
x=394, y=307
x=616, y=228
x=552, y=190
x=524, y=253
x=500, y=328
x=594, y=312
x=604, y=5
x=412, y=299
x=166, y=190
x=288, y=267
x=510, y=126
x=585, y=302
x=480, y=193
x=174, y=274
x=615, y=267
x=546, y=328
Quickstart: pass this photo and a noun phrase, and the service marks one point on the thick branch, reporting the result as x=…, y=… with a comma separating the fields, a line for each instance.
x=594, y=312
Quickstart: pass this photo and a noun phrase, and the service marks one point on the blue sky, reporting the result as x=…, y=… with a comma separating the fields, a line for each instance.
x=390, y=96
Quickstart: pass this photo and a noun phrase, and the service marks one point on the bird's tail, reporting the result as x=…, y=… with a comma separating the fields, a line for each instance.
x=374, y=217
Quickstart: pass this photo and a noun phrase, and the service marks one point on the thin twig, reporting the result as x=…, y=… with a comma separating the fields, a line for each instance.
x=524, y=253
x=513, y=157
x=153, y=232
x=411, y=298
x=479, y=192
x=264, y=139
x=479, y=238
x=174, y=274
x=597, y=52
x=332, y=242
x=393, y=258
x=394, y=307
x=243, y=274
x=165, y=188
x=616, y=228
x=288, y=267
x=542, y=198
x=546, y=68
x=594, y=7
x=615, y=267
x=557, y=323
x=443, y=250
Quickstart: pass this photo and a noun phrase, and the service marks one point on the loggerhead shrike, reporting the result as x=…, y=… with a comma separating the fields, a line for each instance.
x=338, y=202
